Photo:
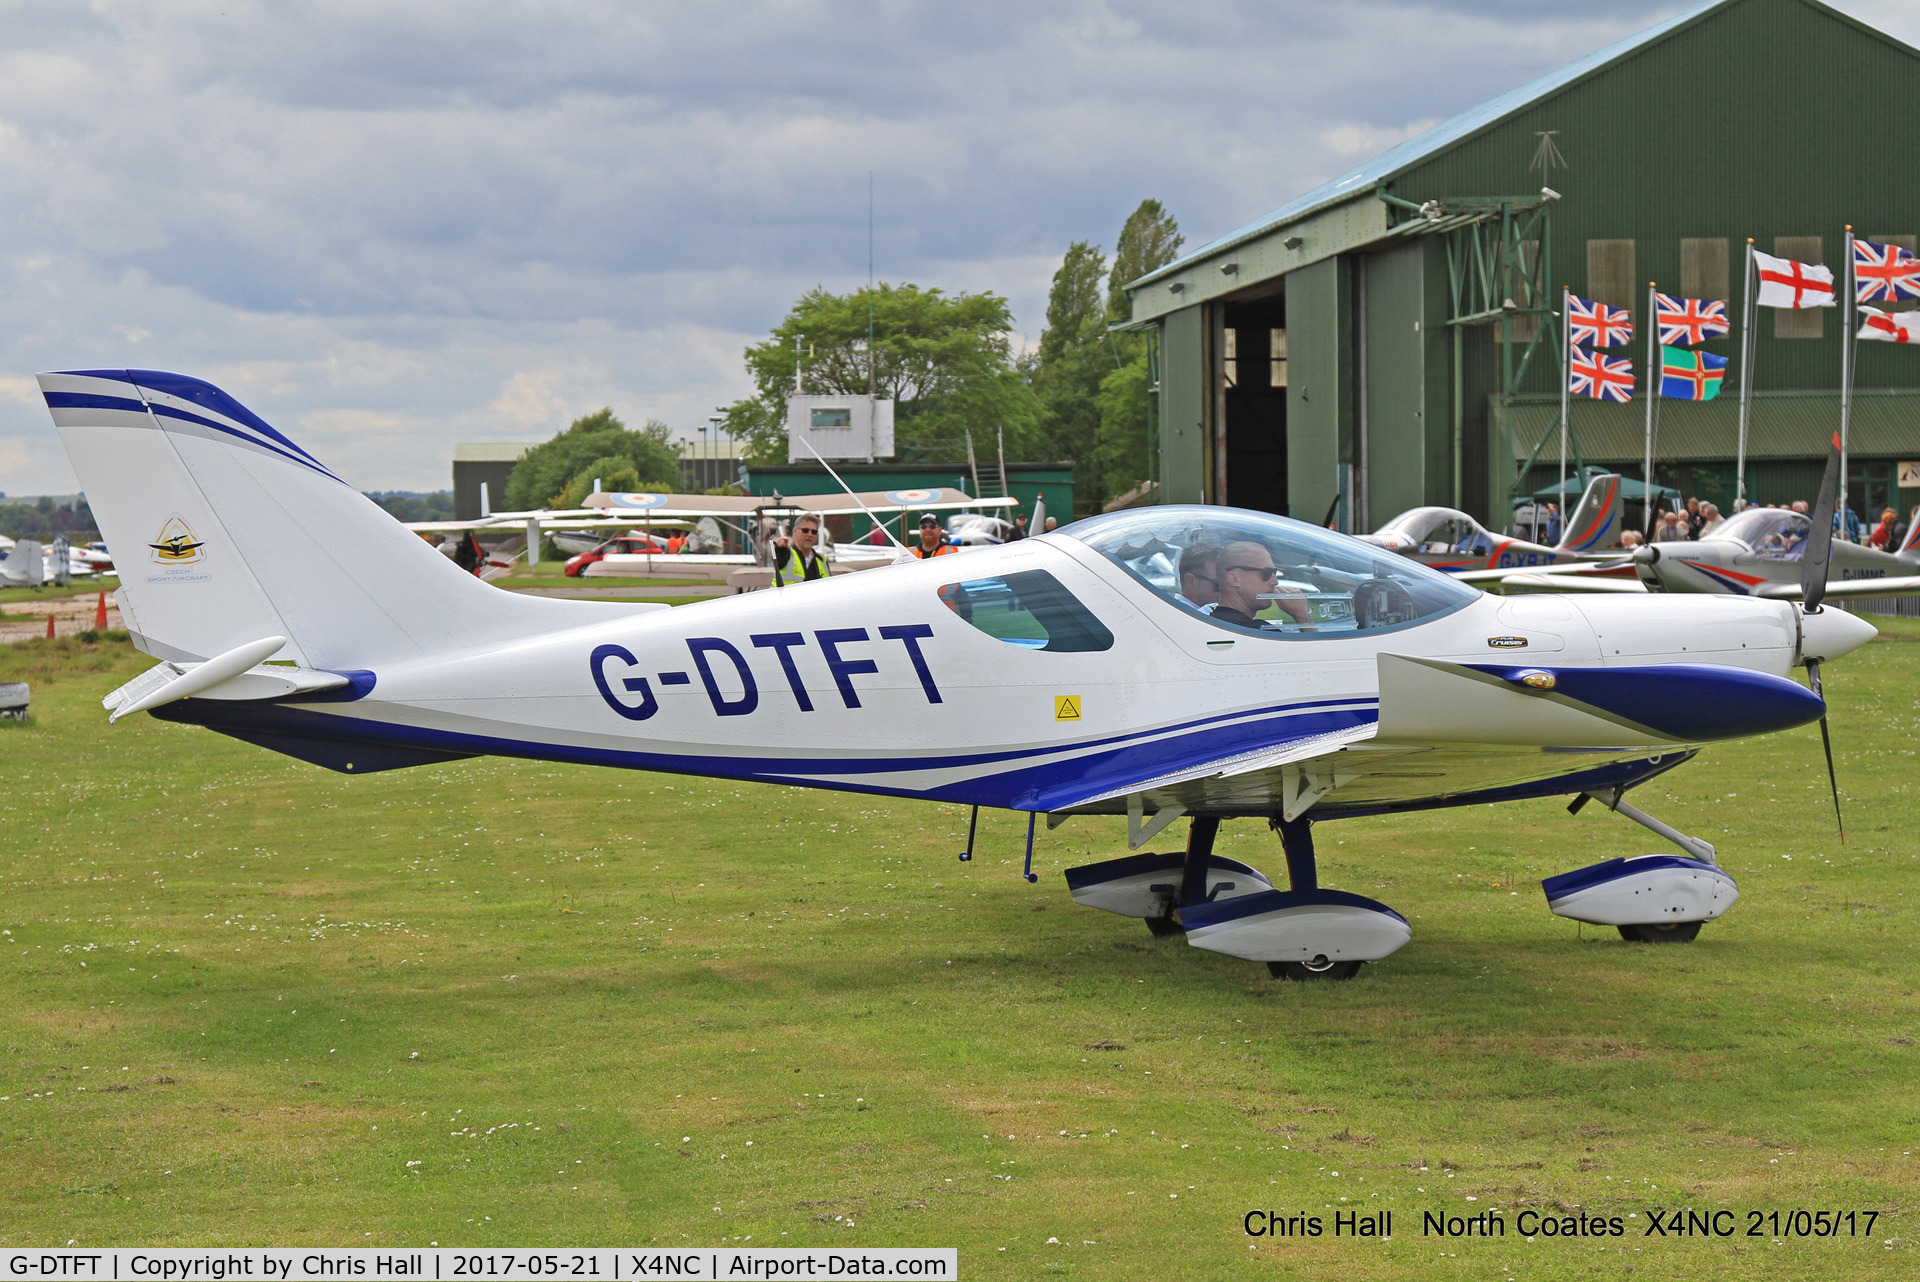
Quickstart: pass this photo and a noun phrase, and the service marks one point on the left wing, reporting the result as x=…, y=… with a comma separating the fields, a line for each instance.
x=1848, y=589
x=1544, y=581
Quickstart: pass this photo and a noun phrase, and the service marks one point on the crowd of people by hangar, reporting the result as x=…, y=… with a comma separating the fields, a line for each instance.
x=1700, y=519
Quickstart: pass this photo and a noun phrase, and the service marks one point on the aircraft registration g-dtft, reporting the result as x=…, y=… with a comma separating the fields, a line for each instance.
x=1062, y=675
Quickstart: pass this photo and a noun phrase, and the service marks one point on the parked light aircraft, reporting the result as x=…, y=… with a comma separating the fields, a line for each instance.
x=1063, y=675
x=30, y=563
x=1759, y=552
x=1454, y=542
x=755, y=517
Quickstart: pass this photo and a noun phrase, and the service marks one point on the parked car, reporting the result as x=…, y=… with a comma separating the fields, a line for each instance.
x=629, y=543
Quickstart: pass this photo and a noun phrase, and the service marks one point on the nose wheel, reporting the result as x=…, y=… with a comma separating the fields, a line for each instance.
x=1307, y=971
x=1679, y=932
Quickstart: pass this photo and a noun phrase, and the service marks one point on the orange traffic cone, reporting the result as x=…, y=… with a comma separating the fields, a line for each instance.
x=100, y=613
x=49, y=627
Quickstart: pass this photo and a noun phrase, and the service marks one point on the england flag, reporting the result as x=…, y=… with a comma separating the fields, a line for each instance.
x=1889, y=327
x=1785, y=283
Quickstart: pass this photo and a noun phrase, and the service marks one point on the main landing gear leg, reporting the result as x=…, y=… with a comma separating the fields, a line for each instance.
x=1296, y=838
x=1193, y=876
x=1303, y=873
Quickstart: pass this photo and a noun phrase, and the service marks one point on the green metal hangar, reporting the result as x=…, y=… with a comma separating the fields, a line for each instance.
x=1388, y=339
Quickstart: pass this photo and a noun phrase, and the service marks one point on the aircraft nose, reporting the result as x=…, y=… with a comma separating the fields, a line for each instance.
x=1828, y=633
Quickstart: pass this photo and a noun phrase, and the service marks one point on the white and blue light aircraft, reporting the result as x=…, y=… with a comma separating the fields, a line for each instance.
x=1060, y=675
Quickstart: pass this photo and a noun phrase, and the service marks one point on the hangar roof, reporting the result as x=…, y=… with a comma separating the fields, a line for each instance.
x=1440, y=138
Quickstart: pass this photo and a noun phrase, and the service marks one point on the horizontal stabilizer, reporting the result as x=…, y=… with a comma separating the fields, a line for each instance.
x=170, y=681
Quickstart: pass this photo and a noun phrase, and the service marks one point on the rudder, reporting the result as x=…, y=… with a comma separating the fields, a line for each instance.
x=1596, y=523
x=225, y=531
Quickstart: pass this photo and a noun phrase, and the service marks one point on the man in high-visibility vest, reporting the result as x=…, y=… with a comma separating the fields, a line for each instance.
x=933, y=541
x=796, y=559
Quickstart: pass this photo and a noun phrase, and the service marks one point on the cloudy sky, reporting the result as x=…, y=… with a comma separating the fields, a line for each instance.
x=389, y=225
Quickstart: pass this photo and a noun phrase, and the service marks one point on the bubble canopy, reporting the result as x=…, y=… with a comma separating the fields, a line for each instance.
x=1259, y=574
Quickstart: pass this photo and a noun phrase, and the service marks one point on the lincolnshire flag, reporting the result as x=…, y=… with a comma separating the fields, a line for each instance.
x=1785, y=283
x=1605, y=378
x=1690, y=320
x=1890, y=327
x=1884, y=273
x=1598, y=325
x=1690, y=376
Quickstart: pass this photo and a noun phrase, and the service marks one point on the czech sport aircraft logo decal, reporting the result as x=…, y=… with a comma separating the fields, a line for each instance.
x=175, y=544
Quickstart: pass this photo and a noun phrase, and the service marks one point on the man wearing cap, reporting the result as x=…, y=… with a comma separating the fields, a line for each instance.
x=932, y=541
x=798, y=560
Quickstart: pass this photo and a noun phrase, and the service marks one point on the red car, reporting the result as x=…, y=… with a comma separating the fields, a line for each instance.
x=634, y=543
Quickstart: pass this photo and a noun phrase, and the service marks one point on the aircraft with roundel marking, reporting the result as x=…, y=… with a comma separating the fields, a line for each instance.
x=1163, y=663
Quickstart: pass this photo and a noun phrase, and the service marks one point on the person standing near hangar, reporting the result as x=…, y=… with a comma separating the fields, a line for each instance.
x=932, y=541
x=798, y=559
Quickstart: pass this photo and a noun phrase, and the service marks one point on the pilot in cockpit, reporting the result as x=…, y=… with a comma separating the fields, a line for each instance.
x=1247, y=576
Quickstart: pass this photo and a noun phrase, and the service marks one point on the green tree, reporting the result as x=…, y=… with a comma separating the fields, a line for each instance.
x=597, y=444
x=1149, y=240
x=1120, y=445
x=1074, y=356
x=944, y=361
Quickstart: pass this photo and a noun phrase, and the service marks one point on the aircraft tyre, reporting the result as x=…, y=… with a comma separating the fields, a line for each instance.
x=1165, y=927
x=1318, y=968
x=1680, y=932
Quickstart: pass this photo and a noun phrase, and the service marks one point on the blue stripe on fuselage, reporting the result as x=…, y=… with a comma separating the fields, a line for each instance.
x=1100, y=763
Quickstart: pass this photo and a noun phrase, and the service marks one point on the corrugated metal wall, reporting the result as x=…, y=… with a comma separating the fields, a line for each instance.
x=1753, y=121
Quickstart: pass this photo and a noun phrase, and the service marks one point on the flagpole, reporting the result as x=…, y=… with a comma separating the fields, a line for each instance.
x=1566, y=377
x=1746, y=376
x=1846, y=382
x=1653, y=393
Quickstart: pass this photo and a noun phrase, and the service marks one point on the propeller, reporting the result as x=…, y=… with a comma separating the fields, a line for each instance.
x=1815, y=565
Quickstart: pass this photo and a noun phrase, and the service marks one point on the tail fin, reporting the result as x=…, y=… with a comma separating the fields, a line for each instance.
x=1596, y=523
x=224, y=532
x=25, y=565
x=1910, y=547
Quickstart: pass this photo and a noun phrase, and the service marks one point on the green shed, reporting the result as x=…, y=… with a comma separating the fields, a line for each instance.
x=1392, y=338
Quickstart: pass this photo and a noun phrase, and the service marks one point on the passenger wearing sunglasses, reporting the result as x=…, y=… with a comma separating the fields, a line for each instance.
x=1246, y=573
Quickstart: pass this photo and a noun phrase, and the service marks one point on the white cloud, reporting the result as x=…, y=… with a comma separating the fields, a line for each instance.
x=387, y=227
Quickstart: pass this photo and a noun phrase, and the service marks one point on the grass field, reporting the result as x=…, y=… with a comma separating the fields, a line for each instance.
x=243, y=1000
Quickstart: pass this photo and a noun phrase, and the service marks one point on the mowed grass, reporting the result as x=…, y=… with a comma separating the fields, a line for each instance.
x=244, y=1000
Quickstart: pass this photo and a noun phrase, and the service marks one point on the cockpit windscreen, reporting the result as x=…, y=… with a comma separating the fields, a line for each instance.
x=1259, y=573
x=1774, y=534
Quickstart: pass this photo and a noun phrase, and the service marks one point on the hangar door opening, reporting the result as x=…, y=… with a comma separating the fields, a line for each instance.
x=1253, y=402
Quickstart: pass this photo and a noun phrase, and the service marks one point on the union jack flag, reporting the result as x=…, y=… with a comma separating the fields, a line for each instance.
x=1605, y=378
x=1884, y=272
x=1598, y=325
x=1690, y=321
